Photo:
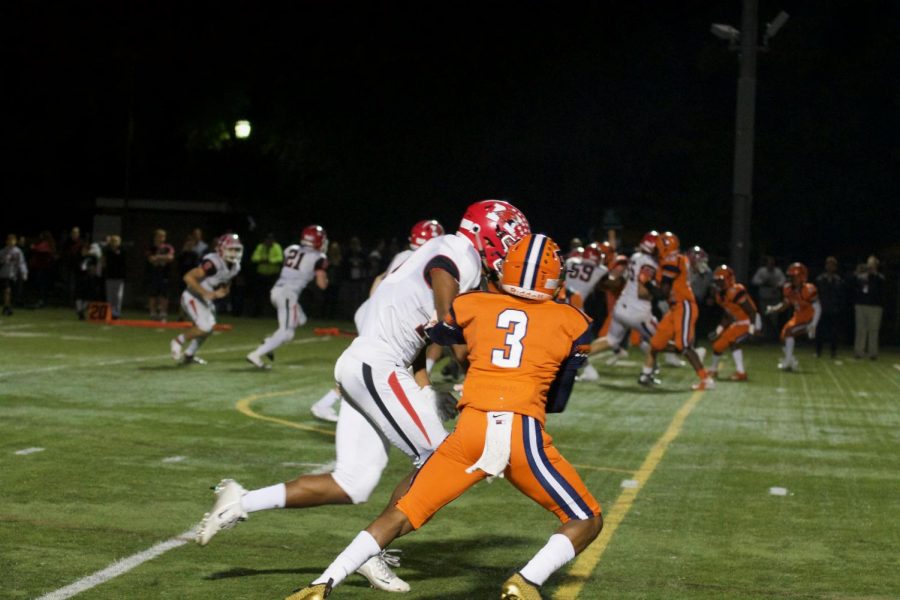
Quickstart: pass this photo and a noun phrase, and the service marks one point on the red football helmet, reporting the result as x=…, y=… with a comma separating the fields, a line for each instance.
x=594, y=254
x=798, y=273
x=667, y=243
x=576, y=252
x=314, y=236
x=723, y=277
x=493, y=226
x=648, y=242
x=423, y=231
x=230, y=248
x=532, y=268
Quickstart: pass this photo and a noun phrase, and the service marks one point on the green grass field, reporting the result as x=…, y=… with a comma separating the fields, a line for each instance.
x=132, y=443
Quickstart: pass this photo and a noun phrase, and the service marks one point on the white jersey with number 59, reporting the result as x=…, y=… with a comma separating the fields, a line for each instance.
x=403, y=304
x=641, y=269
x=582, y=276
x=299, y=267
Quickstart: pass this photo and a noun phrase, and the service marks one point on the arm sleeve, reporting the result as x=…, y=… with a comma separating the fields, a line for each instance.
x=817, y=312
x=561, y=388
x=443, y=263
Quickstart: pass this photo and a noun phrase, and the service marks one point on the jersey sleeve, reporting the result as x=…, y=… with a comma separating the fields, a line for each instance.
x=209, y=267
x=561, y=388
x=321, y=264
x=443, y=263
x=811, y=293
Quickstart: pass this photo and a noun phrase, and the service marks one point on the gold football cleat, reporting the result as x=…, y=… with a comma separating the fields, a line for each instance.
x=318, y=591
x=519, y=588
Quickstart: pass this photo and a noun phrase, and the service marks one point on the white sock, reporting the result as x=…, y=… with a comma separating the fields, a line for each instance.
x=271, y=343
x=646, y=370
x=362, y=548
x=590, y=371
x=789, y=349
x=429, y=364
x=738, y=356
x=180, y=339
x=193, y=347
x=328, y=399
x=714, y=366
x=265, y=498
x=557, y=552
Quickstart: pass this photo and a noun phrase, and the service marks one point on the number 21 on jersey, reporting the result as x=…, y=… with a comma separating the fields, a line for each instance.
x=515, y=322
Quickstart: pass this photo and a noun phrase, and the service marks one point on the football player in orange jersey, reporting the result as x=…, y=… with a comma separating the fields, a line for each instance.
x=523, y=351
x=804, y=298
x=740, y=320
x=677, y=326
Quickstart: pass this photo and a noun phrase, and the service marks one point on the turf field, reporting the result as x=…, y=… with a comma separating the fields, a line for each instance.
x=130, y=444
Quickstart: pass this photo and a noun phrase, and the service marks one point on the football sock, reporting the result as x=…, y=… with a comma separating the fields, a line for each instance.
x=361, y=549
x=646, y=370
x=589, y=371
x=429, y=364
x=328, y=399
x=180, y=339
x=738, y=356
x=789, y=349
x=265, y=498
x=270, y=343
x=715, y=361
x=192, y=347
x=557, y=552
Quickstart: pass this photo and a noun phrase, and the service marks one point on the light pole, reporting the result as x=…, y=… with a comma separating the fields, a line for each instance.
x=746, y=41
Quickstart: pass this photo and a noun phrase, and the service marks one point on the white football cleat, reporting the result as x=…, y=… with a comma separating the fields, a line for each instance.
x=673, y=361
x=254, y=359
x=225, y=513
x=789, y=365
x=325, y=412
x=618, y=354
x=704, y=384
x=379, y=573
x=177, y=350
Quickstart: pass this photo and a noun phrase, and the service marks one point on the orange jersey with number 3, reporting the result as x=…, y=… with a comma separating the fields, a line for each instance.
x=676, y=267
x=516, y=347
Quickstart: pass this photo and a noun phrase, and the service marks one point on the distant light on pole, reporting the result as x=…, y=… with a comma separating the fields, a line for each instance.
x=242, y=129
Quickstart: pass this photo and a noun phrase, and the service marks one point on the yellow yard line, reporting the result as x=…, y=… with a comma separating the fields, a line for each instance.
x=244, y=406
x=587, y=561
x=593, y=468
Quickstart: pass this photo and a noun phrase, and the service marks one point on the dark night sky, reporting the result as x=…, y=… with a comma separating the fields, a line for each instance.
x=369, y=116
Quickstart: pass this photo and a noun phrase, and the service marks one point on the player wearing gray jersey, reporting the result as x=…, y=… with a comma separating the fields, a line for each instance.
x=204, y=285
x=303, y=263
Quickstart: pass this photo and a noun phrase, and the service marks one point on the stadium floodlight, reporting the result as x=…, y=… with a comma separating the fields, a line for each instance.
x=242, y=129
x=725, y=32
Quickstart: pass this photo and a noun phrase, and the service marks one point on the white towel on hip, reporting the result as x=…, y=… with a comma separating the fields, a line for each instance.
x=497, y=441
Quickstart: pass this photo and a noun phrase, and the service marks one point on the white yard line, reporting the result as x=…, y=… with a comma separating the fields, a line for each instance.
x=119, y=567
x=141, y=359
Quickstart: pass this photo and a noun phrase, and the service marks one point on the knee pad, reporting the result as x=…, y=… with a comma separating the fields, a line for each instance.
x=358, y=483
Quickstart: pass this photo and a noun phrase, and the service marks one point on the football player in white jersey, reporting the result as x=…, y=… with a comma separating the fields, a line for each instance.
x=633, y=308
x=584, y=271
x=204, y=285
x=420, y=233
x=382, y=401
x=303, y=262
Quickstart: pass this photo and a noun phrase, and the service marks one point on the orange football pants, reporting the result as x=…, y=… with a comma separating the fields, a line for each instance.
x=734, y=334
x=795, y=326
x=535, y=467
x=676, y=326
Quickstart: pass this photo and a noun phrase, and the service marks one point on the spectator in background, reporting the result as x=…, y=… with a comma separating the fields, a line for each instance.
x=335, y=275
x=12, y=269
x=42, y=261
x=355, y=287
x=376, y=263
x=200, y=247
x=114, y=269
x=160, y=257
x=71, y=261
x=831, y=297
x=768, y=279
x=188, y=258
x=87, y=284
x=868, y=300
x=267, y=258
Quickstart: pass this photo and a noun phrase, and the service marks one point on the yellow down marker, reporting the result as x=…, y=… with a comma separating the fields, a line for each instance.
x=587, y=561
x=244, y=406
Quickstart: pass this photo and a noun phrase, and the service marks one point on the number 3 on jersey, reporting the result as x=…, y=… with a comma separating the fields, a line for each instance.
x=515, y=322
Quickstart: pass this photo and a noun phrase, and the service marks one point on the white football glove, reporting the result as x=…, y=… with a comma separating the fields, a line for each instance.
x=770, y=309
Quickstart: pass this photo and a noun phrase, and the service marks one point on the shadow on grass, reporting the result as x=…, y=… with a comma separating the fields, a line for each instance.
x=640, y=390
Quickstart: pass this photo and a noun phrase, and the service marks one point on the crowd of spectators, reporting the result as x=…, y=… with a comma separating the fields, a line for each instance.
x=77, y=270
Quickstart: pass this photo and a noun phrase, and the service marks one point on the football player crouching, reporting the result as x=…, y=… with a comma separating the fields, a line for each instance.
x=803, y=297
x=205, y=284
x=740, y=320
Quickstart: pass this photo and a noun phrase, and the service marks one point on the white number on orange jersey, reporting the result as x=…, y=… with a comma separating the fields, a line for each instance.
x=515, y=322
